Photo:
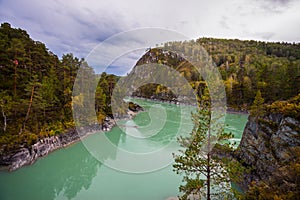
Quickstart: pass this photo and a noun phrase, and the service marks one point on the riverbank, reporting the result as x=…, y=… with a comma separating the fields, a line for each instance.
x=229, y=110
x=27, y=156
x=55, y=175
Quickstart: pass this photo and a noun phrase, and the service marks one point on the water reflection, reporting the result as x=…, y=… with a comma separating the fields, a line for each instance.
x=73, y=173
x=76, y=174
x=61, y=174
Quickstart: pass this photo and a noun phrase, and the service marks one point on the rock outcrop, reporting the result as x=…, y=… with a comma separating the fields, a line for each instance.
x=268, y=144
x=26, y=156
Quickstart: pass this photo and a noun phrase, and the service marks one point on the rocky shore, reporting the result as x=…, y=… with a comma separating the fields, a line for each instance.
x=160, y=100
x=177, y=102
x=26, y=156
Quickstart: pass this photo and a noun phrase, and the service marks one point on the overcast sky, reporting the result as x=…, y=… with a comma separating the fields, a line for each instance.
x=77, y=26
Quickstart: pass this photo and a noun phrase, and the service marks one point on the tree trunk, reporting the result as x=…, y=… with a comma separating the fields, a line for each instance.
x=29, y=107
x=15, y=81
x=208, y=176
x=208, y=165
x=4, y=119
x=15, y=88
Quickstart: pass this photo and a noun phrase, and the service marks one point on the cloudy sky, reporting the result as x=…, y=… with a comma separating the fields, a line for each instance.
x=77, y=26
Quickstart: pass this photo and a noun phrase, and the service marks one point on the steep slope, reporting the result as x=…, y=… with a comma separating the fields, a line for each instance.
x=245, y=67
x=270, y=146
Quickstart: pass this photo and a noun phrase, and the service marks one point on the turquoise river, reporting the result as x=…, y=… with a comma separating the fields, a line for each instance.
x=74, y=173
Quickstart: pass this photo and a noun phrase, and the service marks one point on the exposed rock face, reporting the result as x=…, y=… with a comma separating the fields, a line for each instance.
x=43, y=147
x=268, y=144
x=26, y=156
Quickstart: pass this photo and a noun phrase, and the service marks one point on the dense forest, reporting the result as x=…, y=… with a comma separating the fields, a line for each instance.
x=37, y=96
x=245, y=67
x=36, y=90
x=36, y=86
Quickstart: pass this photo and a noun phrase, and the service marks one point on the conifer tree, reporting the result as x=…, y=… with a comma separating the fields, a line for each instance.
x=204, y=174
x=257, y=108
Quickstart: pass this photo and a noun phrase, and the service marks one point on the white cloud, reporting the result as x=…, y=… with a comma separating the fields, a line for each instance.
x=77, y=26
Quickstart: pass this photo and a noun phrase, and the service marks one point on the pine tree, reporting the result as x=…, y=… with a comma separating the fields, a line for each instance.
x=204, y=173
x=257, y=108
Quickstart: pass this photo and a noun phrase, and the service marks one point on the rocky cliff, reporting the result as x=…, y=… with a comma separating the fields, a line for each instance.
x=25, y=156
x=14, y=160
x=268, y=145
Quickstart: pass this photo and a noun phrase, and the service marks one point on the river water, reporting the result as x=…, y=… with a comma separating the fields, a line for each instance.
x=74, y=173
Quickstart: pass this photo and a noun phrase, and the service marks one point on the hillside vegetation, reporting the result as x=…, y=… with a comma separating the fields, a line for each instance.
x=245, y=67
x=36, y=90
x=36, y=86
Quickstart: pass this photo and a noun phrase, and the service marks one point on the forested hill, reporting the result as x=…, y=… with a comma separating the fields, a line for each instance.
x=245, y=66
x=36, y=90
x=36, y=86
